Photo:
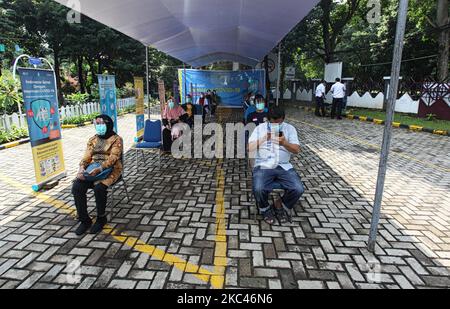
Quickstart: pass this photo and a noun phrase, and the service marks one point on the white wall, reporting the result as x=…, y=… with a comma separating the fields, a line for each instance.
x=405, y=104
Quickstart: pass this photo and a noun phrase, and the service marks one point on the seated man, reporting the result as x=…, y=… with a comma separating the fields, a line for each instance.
x=260, y=116
x=272, y=144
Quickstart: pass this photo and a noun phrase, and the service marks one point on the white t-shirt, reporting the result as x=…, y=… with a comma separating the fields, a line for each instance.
x=206, y=102
x=270, y=155
x=320, y=90
x=338, y=90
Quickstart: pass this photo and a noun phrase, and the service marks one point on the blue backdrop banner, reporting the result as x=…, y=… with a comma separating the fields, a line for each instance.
x=231, y=86
x=108, y=100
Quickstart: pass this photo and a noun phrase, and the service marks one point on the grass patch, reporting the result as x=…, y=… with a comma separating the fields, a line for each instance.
x=13, y=135
x=403, y=118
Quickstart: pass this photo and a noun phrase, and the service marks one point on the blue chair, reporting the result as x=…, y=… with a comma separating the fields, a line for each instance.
x=152, y=140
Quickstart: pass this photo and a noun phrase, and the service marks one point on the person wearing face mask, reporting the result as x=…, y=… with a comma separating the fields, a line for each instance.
x=247, y=99
x=104, y=149
x=272, y=144
x=204, y=102
x=171, y=116
x=260, y=115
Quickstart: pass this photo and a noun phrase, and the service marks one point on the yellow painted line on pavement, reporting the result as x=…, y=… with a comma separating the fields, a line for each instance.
x=360, y=141
x=216, y=279
x=220, y=253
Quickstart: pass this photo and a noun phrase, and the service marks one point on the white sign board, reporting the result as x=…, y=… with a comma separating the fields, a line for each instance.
x=333, y=71
x=290, y=73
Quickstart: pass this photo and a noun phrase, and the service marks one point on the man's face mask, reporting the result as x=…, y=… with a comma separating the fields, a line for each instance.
x=100, y=129
x=276, y=127
x=260, y=106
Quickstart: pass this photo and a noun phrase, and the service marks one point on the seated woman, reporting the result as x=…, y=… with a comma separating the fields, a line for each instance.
x=188, y=118
x=260, y=115
x=105, y=148
x=171, y=116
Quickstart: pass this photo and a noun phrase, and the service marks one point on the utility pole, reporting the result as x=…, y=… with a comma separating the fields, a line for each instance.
x=392, y=98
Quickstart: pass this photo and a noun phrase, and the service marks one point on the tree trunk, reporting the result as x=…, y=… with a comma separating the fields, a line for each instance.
x=326, y=20
x=91, y=63
x=58, y=76
x=80, y=74
x=266, y=68
x=100, y=68
x=282, y=78
x=444, y=37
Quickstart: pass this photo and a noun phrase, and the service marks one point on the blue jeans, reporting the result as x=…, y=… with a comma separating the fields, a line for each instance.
x=263, y=184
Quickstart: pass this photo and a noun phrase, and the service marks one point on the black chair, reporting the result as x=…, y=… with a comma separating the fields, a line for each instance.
x=111, y=188
x=277, y=188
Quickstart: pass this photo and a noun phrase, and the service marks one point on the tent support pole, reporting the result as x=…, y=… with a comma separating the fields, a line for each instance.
x=392, y=98
x=148, y=80
x=279, y=74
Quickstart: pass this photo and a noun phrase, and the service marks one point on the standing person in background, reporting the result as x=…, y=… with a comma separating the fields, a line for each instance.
x=214, y=102
x=204, y=103
x=345, y=100
x=338, y=90
x=320, y=99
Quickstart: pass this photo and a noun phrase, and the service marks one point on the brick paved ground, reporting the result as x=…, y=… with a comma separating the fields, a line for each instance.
x=181, y=210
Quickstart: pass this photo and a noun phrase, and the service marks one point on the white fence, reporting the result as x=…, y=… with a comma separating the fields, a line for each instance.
x=405, y=104
x=14, y=120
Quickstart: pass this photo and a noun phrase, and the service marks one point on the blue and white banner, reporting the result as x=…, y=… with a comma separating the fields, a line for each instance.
x=41, y=104
x=108, y=99
x=231, y=86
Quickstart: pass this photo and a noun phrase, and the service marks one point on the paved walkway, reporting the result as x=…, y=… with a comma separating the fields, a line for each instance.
x=188, y=224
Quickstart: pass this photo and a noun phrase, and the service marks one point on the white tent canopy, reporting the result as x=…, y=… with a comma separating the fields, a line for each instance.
x=199, y=32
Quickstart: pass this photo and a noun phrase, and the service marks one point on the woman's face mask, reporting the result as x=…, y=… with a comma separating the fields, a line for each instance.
x=100, y=129
x=171, y=104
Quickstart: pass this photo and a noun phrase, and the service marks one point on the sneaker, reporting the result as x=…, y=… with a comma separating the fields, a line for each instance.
x=83, y=228
x=269, y=217
x=98, y=226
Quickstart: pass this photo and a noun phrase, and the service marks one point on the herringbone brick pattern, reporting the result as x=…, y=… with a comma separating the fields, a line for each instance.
x=174, y=207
